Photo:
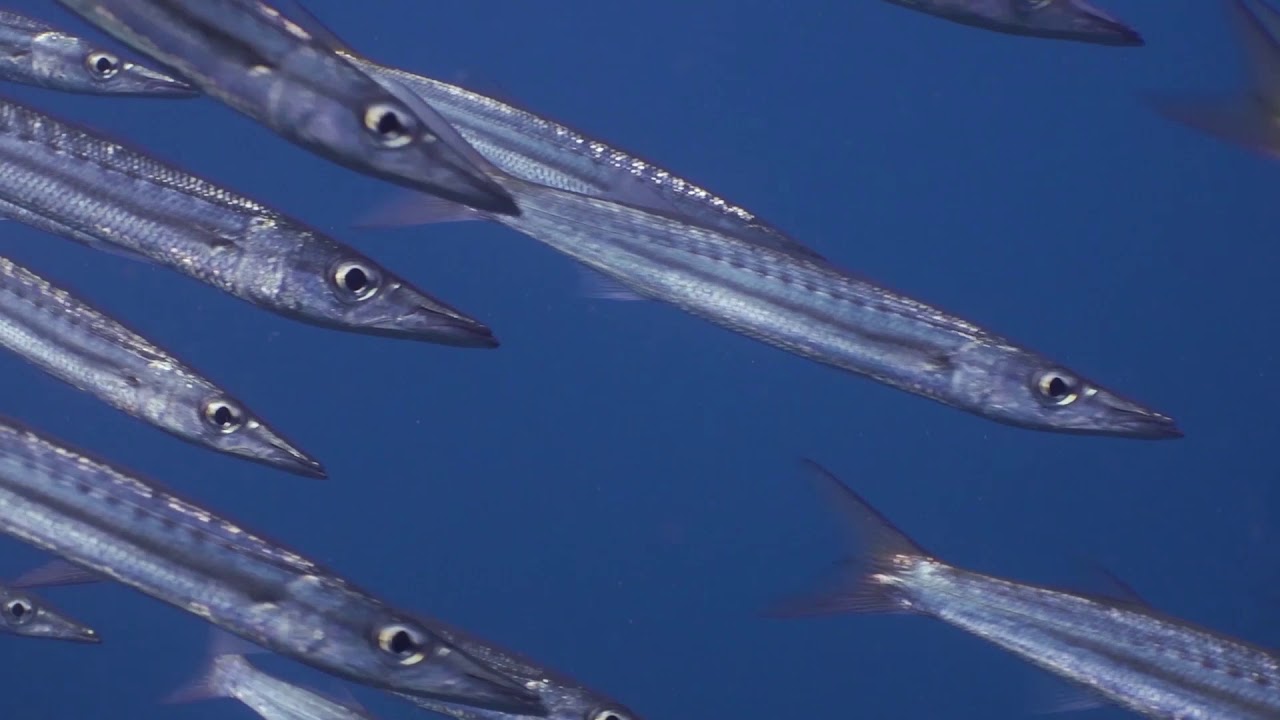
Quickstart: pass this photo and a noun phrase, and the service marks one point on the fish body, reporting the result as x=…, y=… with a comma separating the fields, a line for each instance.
x=1075, y=20
x=1251, y=121
x=1152, y=664
x=71, y=182
x=249, y=56
x=231, y=675
x=534, y=148
x=563, y=697
x=816, y=311
x=33, y=53
x=129, y=530
x=23, y=613
x=666, y=239
x=80, y=345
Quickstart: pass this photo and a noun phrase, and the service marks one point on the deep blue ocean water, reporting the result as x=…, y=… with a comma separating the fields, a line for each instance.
x=615, y=490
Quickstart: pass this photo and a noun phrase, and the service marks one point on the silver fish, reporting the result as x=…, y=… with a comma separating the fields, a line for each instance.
x=69, y=339
x=231, y=675
x=542, y=151
x=136, y=533
x=563, y=697
x=23, y=613
x=247, y=55
x=667, y=239
x=33, y=53
x=73, y=183
x=1152, y=664
x=814, y=310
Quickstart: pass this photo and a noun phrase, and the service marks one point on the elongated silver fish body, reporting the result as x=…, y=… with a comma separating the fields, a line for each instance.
x=810, y=308
x=70, y=182
x=80, y=345
x=233, y=676
x=1153, y=664
x=251, y=57
x=1156, y=666
x=670, y=240
x=33, y=53
x=129, y=530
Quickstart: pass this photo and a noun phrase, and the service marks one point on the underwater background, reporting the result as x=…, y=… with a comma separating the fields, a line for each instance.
x=615, y=490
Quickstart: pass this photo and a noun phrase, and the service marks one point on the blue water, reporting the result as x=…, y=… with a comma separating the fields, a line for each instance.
x=615, y=491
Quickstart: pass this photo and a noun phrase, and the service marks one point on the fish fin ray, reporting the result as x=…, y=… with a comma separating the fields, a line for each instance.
x=1260, y=46
x=1054, y=696
x=857, y=585
x=598, y=286
x=407, y=208
x=1241, y=121
x=56, y=573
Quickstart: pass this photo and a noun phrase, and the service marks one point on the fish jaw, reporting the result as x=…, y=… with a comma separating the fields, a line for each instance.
x=139, y=80
x=418, y=317
x=52, y=625
x=260, y=443
x=1089, y=24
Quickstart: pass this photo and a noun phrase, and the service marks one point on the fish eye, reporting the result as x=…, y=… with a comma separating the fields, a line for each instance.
x=224, y=416
x=18, y=610
x=103, y=65
x=1058, y=388
x=406, y=644
x=356, y=279
x=609, y=715
x=390, y=125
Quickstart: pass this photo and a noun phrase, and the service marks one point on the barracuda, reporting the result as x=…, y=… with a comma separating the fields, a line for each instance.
x=73, y=183
x=134, y=532
x=78, y=344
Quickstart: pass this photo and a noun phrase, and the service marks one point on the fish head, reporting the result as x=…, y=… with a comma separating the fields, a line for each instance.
x=1021, y=388
x=343, y=289
x=383, y=135
x=1071, y=20
x=215, y=419
x=27, y=615
x=405, y=656
x=72, y=64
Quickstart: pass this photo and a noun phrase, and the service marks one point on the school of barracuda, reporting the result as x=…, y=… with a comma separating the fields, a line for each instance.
x=458, y=155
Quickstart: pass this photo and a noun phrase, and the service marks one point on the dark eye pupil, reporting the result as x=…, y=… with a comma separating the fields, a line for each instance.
x=1057, y=387
x=355, y=280
x=389, y=124
x=18, y=610
x=223, y=416
x=401, y=643
x=103, y=64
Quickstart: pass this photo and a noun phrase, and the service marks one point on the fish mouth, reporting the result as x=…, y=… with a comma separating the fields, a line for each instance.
x=442, y=328
x=1106, y=30
x=1129, y=419
x=147, y=82
x=475, y=685
x=55, y=627
x=279, y=453
x=460, y=182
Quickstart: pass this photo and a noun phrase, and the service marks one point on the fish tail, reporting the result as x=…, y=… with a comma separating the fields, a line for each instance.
x=869, y=582
x=215, y=680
